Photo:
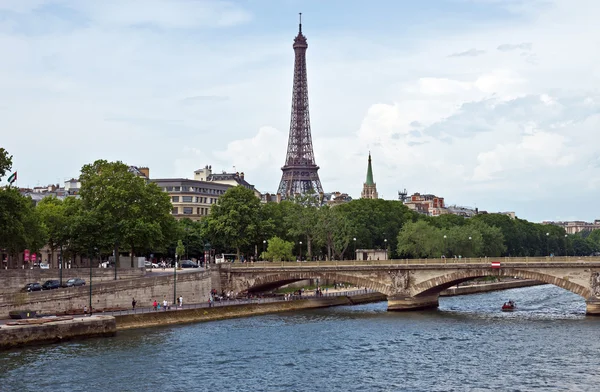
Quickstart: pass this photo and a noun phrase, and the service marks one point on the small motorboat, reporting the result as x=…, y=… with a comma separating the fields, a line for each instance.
x=509, y=306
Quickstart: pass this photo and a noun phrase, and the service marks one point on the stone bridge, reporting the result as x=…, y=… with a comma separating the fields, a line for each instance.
x=416, y=284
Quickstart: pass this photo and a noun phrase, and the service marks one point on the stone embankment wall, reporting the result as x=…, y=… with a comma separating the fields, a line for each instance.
x=13, y=280
x=57, y=331
x=155, y=319
x=486, y=287
x=193, y=286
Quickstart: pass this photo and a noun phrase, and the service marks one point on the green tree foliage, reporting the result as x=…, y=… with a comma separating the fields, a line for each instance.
x=278, y=250
x=335, y=231
x=180, y=249
x=126, y=210
x=376, y=220
x=5, y=162
x=235, y=220
x=302, y=220
x=20, y=225
x=52, y=215
x=420, y=240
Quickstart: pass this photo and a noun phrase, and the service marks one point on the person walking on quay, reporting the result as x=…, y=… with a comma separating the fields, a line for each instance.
x=181, y=301
x=165, y=303
x=133, y=302
x=155, y=305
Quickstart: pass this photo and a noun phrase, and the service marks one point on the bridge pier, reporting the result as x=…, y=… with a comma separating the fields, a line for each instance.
x=592, y=307
x=406, y=302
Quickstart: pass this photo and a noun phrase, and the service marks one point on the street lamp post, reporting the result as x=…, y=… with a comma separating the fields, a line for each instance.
x=264, y=250
x=445, y=247
x=91, y=259
x=61, y=264
x=470, y=247
x=354, y=240
x=566, y=252
x=300, y=251
x=387, y=251
x=175, y=280
x=187, y=242
x=548, y=244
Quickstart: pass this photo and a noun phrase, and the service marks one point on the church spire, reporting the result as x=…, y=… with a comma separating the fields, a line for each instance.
x=369, y=172
x=369, y=187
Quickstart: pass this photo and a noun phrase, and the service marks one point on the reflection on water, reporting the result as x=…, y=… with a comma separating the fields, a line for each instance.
x=468, y=344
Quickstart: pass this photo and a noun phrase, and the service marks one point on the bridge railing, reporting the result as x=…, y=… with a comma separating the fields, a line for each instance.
x=436, y=261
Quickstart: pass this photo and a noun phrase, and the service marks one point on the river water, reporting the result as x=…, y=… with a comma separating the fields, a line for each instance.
x=466, y=345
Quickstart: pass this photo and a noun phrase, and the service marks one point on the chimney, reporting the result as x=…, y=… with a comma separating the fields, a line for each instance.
x=145, y=171
x=242, y=175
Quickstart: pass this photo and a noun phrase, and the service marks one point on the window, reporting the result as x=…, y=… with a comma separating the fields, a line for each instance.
x=169, y=189
x=175, y=199
x=177, y=188
x=185, y=188
x=198, y=211
x=188, y=210
x=187, y=199
x=175, y=211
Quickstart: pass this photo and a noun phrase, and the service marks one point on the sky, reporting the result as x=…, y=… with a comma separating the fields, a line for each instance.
x=491, y=104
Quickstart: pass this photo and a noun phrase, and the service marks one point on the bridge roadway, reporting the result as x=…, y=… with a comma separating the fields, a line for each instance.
x=413, y=284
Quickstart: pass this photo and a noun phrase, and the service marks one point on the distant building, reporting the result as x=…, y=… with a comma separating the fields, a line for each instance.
x=467, y=212
x=194, y=198
x=369, y=187
x=335, y=198
x=371, y=254
x=191, y=198
x=233, y=179
x=427, y=204
x=573, y=227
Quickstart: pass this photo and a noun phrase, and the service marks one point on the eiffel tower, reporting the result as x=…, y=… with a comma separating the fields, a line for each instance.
x=300, y=172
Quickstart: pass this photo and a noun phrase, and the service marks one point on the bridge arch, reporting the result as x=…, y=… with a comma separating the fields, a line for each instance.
x=275, y=280
x=436, y=285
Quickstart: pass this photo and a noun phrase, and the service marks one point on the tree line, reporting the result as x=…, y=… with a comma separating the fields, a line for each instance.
x=118, y=212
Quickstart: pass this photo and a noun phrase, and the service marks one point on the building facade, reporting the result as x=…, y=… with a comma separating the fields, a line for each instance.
x=427, y=204
x=191, y=198
x=573, y=227
x=369, y=187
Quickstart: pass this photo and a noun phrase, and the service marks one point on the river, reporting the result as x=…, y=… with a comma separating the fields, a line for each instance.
x=548, y=344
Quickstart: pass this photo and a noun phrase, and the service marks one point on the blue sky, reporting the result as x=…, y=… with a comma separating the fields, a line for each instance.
x=488, y=103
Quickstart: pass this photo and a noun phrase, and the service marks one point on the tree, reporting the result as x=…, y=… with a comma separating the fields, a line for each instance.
x=20, y=226
x=278, y=250
x=52, y=215
x=492, y=239
x=5, y=162
x=235, y=219
x=334, y=231
x=420, y=239
x=130, y=210
x=302, y=221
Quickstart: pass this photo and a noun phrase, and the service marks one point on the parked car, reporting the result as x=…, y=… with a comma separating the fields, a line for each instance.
x=73, y=282
x=188, y=264
x=149, y=264
x=44, y=266
x=51, y=285
x=32, y=287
